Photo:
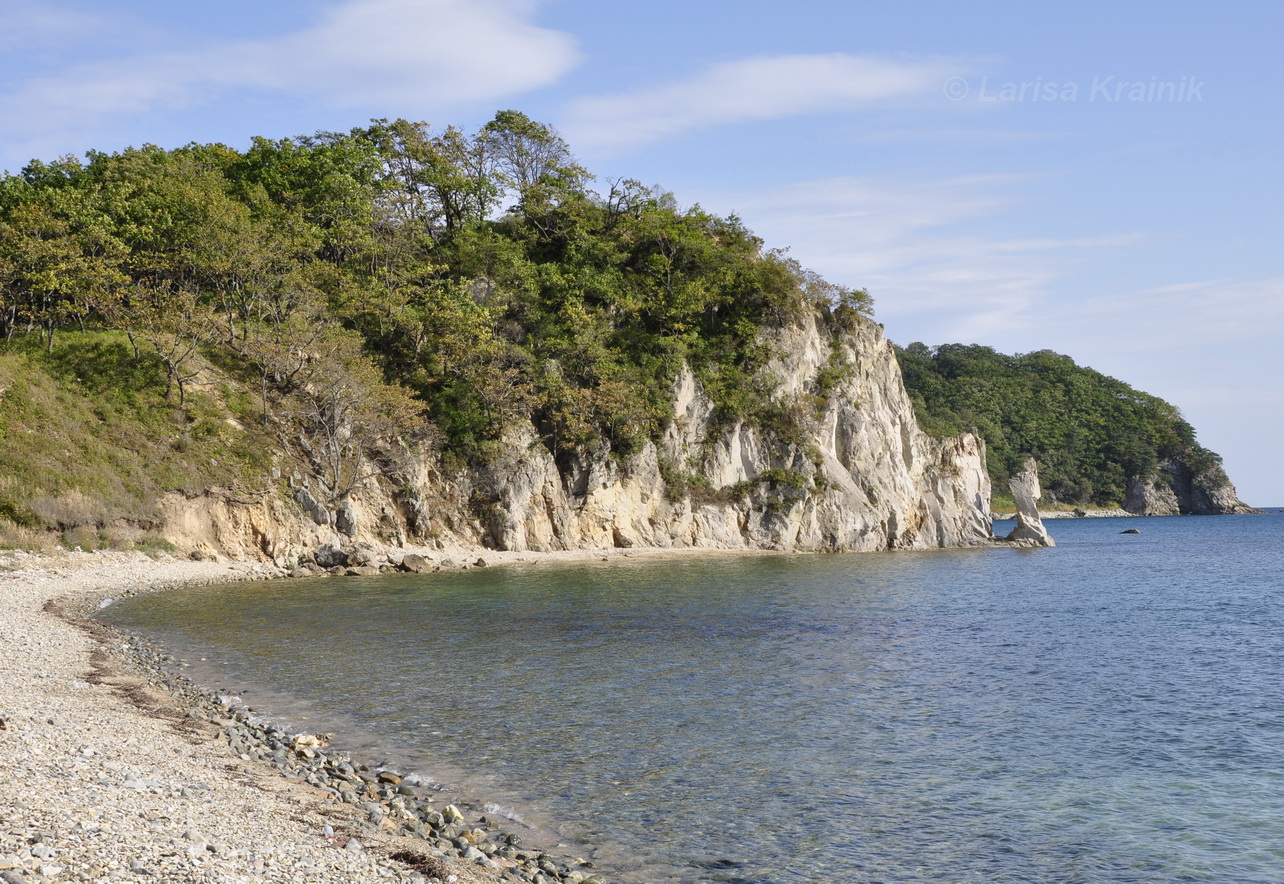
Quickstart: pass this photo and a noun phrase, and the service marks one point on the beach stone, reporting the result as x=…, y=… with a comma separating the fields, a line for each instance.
x=387, y=776
x=330, y=556
x=363, y=554
x=416, y=563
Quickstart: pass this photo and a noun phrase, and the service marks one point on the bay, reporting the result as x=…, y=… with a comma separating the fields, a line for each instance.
x=1108, y=710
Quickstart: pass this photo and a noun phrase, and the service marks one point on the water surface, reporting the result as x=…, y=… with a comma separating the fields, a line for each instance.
x=1111, y=710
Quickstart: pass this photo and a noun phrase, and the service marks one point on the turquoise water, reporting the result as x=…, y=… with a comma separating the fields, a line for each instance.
x=1111, y=710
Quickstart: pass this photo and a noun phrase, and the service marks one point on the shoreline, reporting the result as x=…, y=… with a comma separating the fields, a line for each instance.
x=1045, y=515
x=114, y=768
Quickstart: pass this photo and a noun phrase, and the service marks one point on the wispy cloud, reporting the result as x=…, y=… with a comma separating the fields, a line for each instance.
x=453, y=51
x=30, y=25
x=423, y=55
x=948, y=260
x=1199, y=316
x=923, y=248
x=760, y=88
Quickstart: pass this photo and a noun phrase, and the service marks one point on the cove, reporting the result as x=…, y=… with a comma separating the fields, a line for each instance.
x=1108, y=710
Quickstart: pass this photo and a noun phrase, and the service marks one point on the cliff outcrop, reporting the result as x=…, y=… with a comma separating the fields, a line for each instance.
x=849, y=470
x=1178, y=488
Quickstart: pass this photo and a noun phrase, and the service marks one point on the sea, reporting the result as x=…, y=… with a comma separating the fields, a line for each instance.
x=1108, y=710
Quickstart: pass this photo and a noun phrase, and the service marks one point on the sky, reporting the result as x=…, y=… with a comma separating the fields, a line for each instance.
x=1098, y=179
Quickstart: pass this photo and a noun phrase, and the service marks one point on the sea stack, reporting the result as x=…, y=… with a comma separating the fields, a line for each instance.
x=1026, y=491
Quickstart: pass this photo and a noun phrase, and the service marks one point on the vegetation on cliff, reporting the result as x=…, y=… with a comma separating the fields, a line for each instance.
x=205, y=316
x=1088, y=432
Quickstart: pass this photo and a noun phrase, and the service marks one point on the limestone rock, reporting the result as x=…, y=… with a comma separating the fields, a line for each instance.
x=865, y=477
x=416, y=563
x=345, y=519
x=1029, y=530
x=330, y=556
x=855, y=474
x=310, y=505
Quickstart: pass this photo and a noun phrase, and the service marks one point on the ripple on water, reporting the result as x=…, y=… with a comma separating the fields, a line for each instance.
x=1108, y=710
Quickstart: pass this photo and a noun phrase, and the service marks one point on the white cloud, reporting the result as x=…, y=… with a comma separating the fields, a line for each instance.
x=29, y=25
x=950, y=260
x=760, y=88
x=422, y=55
x=453, y=51
x=919, y=247
x=1194, y=315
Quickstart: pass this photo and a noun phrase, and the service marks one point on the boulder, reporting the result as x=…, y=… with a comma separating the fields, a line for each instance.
x=313, y=507
x=364, y=554
x=416, y=563
x=345, y=519
x=330, y=556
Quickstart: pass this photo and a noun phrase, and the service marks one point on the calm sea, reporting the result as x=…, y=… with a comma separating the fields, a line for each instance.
x=1111, y=710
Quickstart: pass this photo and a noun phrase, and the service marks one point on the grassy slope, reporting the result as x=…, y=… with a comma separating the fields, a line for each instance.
x=89, y=443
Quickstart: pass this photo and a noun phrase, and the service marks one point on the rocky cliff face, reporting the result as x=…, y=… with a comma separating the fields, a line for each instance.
x=852, y=471
x=1178, y=490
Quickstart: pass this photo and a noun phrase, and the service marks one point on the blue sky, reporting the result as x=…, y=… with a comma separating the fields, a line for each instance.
x=1100, y=179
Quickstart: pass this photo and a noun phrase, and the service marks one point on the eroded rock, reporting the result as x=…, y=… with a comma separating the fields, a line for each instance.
x=1029, y=530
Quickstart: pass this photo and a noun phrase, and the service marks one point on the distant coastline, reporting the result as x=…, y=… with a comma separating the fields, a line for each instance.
x=1116, y=513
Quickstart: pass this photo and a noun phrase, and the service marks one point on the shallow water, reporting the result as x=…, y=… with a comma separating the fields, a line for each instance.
x=1111, y=710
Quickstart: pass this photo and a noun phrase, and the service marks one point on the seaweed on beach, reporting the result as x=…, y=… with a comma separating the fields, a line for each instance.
x=430, y=866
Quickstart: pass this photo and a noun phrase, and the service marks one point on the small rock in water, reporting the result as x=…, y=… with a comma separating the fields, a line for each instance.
x=1131, y=531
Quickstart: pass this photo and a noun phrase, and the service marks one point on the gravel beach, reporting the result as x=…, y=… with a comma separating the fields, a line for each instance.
x=109, y=773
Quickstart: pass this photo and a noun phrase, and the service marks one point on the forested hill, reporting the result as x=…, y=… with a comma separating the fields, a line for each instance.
x=174, y=319
x=1098, y=441
x=299, y=319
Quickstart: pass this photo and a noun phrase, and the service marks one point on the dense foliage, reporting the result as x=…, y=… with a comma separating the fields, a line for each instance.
x=1089, y=433
x=392, y=281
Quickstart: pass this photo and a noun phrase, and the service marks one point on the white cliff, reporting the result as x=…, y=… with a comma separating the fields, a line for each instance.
x=852, y=472
x=861, y=476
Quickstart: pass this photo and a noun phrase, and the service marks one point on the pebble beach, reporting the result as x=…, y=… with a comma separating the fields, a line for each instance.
x=112, y=769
